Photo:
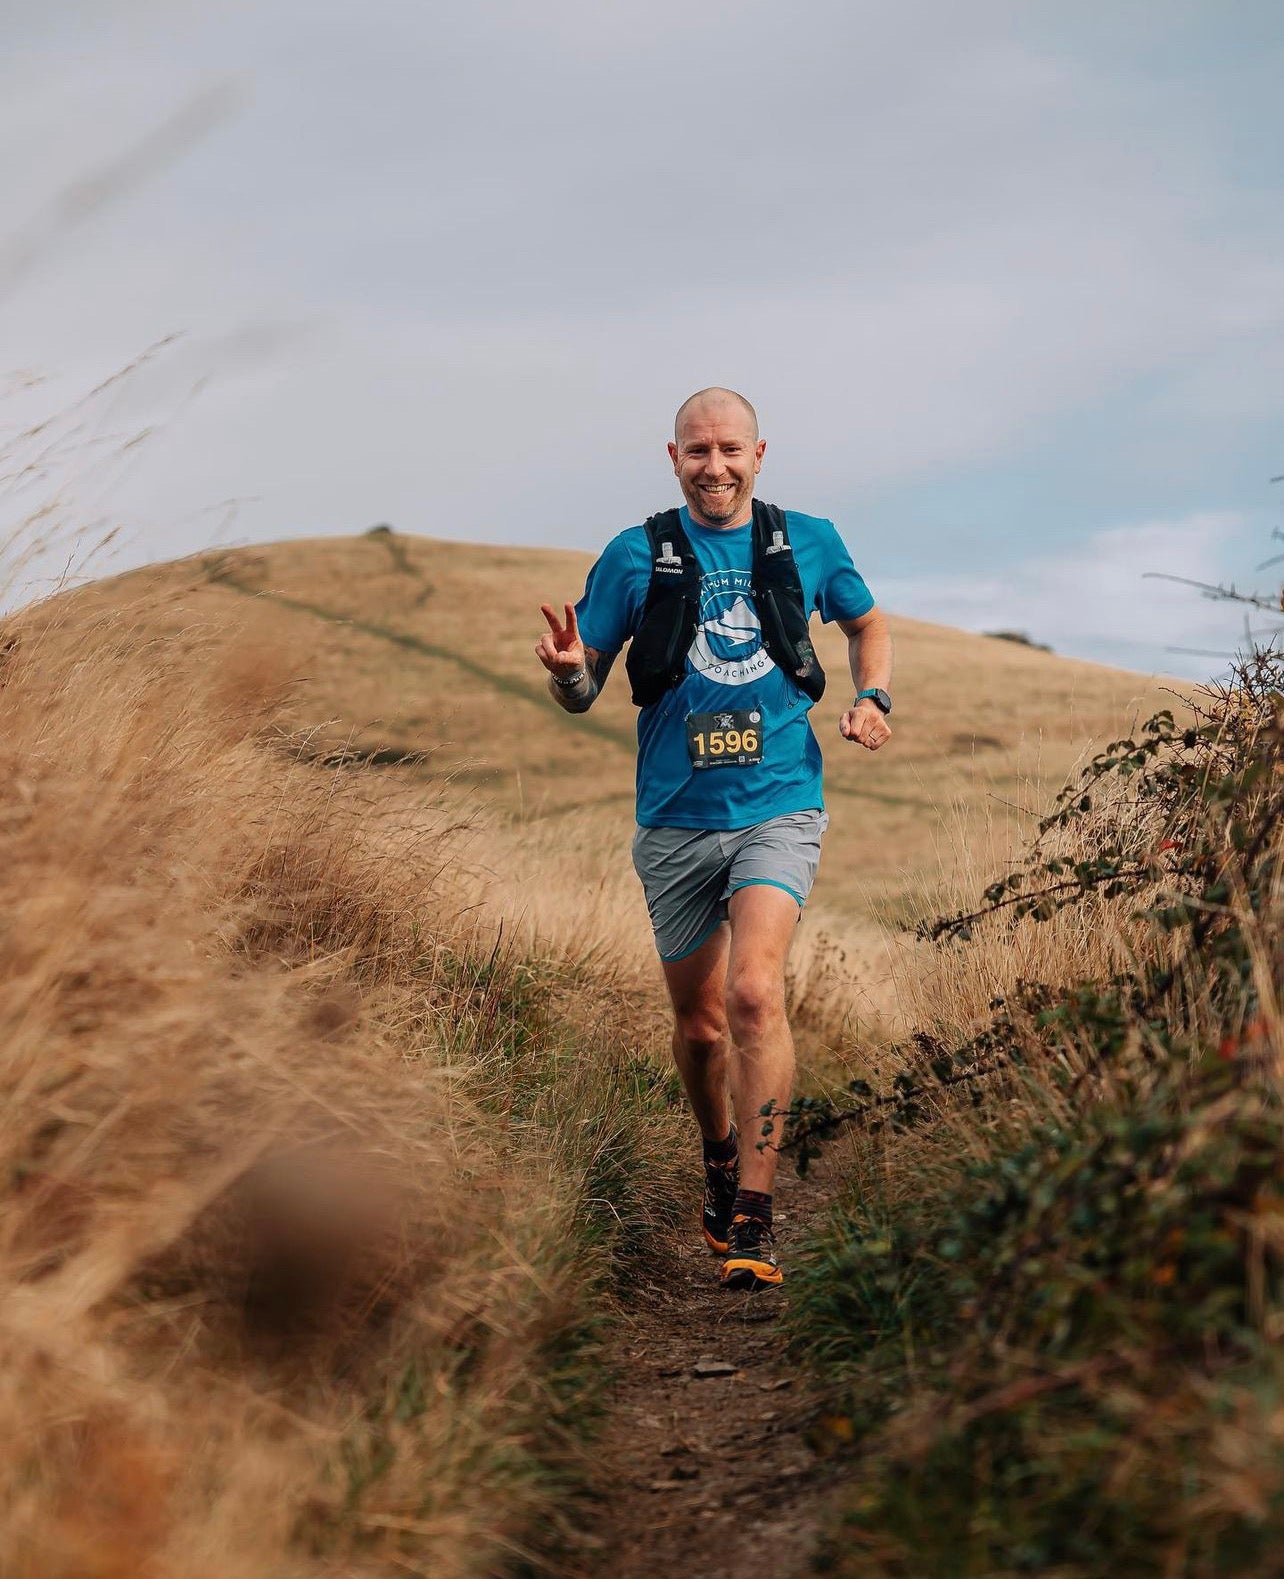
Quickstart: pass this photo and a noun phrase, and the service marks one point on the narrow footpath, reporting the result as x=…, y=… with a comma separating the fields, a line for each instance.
x=707, y=1460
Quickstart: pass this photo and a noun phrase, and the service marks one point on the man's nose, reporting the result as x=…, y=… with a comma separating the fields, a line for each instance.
x=713, y=463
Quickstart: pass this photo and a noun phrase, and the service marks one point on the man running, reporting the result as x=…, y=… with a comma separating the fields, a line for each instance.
x=715, y=598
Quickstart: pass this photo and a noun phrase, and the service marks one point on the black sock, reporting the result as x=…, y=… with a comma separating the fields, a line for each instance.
x=722, y=1153
x=753, y=1203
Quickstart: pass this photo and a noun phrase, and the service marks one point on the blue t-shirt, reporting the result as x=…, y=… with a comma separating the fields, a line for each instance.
x=728, y=668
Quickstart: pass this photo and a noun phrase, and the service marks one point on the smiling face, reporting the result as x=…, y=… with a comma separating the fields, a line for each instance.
x=716, y=456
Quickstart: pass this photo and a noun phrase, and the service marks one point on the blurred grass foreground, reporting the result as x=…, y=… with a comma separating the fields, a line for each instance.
x=312, y=1178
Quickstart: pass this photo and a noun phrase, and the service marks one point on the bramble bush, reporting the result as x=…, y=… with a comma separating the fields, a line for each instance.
x=1054, y=1349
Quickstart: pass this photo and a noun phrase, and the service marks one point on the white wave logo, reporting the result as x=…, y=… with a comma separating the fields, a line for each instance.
x=728, y=641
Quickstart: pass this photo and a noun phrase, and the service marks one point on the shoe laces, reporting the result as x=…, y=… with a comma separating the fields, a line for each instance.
x=749, y=1233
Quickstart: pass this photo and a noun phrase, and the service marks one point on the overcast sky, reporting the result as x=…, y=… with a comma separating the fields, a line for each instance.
x=1004, y=280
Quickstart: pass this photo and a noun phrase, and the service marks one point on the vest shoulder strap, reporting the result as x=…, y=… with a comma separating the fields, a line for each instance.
x=770, y=535
x=778, y=593
x=656, y=659
x=670, y=545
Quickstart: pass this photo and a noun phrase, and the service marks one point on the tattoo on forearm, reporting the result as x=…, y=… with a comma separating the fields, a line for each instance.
x=579, y=698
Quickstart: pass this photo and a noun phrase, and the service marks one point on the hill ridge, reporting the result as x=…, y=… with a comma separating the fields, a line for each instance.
x=984, y=731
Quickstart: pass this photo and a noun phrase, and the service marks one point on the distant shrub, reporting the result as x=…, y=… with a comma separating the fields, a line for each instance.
x=1020, y=637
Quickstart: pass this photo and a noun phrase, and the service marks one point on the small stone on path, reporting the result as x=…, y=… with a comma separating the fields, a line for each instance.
x=705, y=1366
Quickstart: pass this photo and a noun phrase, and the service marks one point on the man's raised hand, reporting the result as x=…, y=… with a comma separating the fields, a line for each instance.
x=560, y=649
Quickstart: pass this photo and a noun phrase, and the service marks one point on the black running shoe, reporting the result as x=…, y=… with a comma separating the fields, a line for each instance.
x=750, y=1262
x=720, y=1186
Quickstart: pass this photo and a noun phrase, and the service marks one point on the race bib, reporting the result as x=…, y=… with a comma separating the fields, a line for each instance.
x=724, y=740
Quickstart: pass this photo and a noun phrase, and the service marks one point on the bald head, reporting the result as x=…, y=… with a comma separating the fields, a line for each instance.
x=716, y=454
x=706, y=402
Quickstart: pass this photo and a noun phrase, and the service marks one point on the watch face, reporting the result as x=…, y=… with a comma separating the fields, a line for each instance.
x=879, y=697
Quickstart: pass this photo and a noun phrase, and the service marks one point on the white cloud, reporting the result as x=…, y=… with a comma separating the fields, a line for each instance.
x=1103, y=599
x=456, y=269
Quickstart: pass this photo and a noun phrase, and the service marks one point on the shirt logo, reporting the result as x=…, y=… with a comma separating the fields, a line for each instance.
x=728, y=640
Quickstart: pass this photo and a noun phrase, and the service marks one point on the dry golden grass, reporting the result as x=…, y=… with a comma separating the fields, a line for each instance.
x=422, y=651
x=326, y=1084
x=302, y=1194
x=409, y=644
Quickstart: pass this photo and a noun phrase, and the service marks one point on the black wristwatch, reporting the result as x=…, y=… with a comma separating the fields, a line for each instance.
x=878, y=696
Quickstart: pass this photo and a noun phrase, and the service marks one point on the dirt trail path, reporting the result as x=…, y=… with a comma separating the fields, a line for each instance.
x=706, y=1460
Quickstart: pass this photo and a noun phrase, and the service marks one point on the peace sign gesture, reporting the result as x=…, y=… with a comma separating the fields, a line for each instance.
x=560, y=649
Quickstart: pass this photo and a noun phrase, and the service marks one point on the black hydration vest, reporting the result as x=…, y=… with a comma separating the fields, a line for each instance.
x=656, y=659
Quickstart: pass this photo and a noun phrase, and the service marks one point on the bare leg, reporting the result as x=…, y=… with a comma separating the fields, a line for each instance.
x=701, y=1044
x=763, y=921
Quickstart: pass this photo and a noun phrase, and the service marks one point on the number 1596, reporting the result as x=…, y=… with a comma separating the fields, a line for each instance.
x=726, y=742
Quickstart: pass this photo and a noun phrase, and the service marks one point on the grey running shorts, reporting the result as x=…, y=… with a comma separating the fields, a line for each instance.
x=689, y=874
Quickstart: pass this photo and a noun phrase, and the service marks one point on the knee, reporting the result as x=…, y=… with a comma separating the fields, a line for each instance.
x=702, y=1034
x=755, y=1005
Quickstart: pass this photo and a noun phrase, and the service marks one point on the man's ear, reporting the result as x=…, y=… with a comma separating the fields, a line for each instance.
x=759, y=450
x=673, y=455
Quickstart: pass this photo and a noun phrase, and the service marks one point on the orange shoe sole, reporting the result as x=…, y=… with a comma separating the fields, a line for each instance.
x=748, y=1274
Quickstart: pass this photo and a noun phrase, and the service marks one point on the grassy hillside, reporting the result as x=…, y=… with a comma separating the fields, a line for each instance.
x=336, y=1061
x=407, y=645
